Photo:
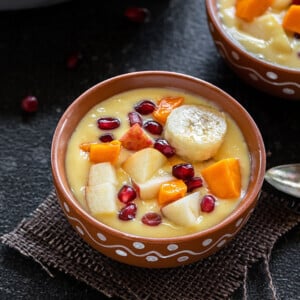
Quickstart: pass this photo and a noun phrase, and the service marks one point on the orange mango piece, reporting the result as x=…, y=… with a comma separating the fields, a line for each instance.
x=223, y=178
x=165, y=106
x=171, y=191
x=291, y=20
x=247, y=10
x=85, y=147
x=106, y=152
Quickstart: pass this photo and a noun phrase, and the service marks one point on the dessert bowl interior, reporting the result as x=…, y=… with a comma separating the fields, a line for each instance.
x=146, y=251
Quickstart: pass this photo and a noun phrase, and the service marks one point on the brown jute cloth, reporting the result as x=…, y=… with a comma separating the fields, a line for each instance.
x=47, y=237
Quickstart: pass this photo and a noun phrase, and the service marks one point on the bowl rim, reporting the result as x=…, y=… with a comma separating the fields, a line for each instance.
x=71, y=200
x=212, y=11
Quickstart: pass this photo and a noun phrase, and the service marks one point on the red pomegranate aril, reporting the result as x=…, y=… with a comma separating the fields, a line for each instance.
x=128, y=212
x=106, y=138
x=73, y=60
x=30, y=104
x=137, y=14
x=164, y=147
x=145, y=107
x=126, y=194
x=183, y=171
x=153, y=127
x=208, y=203
x=135, y=118
x=151, y=219
x=108, y=123
x=193, y=183
x=296, y=2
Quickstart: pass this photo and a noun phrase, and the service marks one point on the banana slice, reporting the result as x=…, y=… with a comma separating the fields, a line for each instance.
x=196, y=132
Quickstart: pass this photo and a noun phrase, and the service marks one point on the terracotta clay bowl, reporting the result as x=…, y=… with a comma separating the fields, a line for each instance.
x=144, y=251
x=273, y=79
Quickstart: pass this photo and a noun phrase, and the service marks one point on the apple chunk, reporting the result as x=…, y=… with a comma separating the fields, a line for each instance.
x=102, y=173
x=101, y=199
x=184, y=211
x=149, y=189
x=143, y=164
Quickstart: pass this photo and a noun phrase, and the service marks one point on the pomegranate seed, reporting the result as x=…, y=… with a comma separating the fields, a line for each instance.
x=297, y=36
x=108, y=123
x=296, y=2
x=208, y=203
x=126, y=194
x=128, y=212
x=151, y=219
x=73, y=60
x=193, y=183
x=164, y=147
x=30, y=104
x=106, y=137
x=137, y=14
x=153, y=127
x=183, y=171
x=134, y=118
x=145, y=107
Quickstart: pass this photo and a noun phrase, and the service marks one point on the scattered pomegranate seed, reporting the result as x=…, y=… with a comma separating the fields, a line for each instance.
x=164, y=147
x=208, y=203
x=108, y=123
x=73, y=60
x=137, y=14
x=193, y=183
x=134, y=118
x=296, y=2
x=126, y=194
x=106, y=137
x=153, y=127
x=183, y=171
x=151, y=219
x=145, y=107
x=30, y=104
x=128, y=212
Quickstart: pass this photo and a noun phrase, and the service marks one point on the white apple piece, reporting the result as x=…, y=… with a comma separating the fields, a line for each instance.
x=102, y=173
x=101, y=198
x=150, y=188
x=184, y=211
x=143, y=164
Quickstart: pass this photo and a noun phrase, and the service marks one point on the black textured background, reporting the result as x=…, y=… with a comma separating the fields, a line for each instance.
x=34, y=45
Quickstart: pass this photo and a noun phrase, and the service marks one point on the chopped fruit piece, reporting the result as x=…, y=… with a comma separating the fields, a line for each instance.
x=165, y=106
x=101, y=199
x=144, y=163
x=126, y=194
x=145, y=107
x=183, y=171
x=135, y=118
x=224, y=178
x=106, y=138
x=291, y=20
x=108, y=123
x=164, y=147
x=184, y=211
x=153, y=127
x=282, y=4
x=30, y=104
x=85, y=147
x=106, y=152
x=250, y=9
x=151, y=219
x=171, y=191
x=296, y=2
x=208, y=203
x=149, y=189
x=135, y=138
x=193, y=183
x=128, y=212
x=102, y=173
x=137, y=14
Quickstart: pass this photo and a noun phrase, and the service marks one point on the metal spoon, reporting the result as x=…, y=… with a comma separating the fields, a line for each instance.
x=285, y=178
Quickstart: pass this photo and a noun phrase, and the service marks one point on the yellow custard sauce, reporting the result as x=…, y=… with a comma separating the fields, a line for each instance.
x=264, y=36
x=118, y=106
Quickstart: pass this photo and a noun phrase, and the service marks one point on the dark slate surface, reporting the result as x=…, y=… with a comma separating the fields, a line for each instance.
x=33, y=47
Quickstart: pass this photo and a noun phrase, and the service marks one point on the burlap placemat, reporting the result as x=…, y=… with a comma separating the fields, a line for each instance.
x=48, y=238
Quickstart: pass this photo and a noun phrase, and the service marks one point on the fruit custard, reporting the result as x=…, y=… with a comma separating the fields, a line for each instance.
x=158, y=162
x=269, y=29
